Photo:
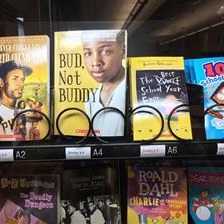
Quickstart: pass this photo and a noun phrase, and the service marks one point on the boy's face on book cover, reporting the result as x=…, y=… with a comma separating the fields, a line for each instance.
x=103, y=60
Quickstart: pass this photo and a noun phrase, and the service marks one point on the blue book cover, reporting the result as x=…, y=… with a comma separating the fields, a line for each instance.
x=206, y=195
x=210, y=74
x=187, y=70
x=192, y=71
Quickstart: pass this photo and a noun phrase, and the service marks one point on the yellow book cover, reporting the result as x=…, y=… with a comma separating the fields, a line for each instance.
x=157, y=195
x=159, y=82
x=24, y=85
x=90, y=76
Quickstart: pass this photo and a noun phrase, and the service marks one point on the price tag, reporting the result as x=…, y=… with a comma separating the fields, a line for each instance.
x=152, y=150
x=220, y=149
x=78, y=152
x=6, y=155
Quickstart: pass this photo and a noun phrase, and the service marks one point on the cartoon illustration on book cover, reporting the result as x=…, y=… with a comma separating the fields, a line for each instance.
x=206, y=198
x=159, y=82
x=210, y=74
x=24, y=84
x=157, y=195
x=29, y=199
x=90, y=75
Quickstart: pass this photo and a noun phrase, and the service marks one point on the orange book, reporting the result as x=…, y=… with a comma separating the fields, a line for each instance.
x=24, y=81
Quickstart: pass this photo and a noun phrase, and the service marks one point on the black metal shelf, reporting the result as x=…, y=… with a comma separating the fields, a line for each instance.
x=66, y=147
x=48, y=150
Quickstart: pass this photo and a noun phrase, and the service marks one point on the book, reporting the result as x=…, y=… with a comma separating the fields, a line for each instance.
x=90, y=75
x=156, y=195
x=90, y=195
x=159, y=82
x=206, y=198
x=209, y=74
x=30, y=199
x=24, y=82
x=189, y=71
x=196, y=101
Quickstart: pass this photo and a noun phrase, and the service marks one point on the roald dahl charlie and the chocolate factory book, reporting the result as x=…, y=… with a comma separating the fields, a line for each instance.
x=157, y=195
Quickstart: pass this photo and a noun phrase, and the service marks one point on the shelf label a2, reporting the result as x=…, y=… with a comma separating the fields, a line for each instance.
x=78, y=152
x=6, y=155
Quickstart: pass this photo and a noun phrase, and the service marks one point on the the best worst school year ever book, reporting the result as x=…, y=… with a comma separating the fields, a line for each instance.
x=159, y=82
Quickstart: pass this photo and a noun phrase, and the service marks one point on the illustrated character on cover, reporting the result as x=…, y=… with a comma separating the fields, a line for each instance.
x=202, y=205
x=34, y=132
x=21, y=106
x=33, y=118
x=218, y=112
x=13, y=214
x=218, y=210
x=103, y=54
x=21, y=217
x=20, y=129
x=12, y=79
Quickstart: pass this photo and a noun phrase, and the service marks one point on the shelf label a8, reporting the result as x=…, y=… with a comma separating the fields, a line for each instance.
x=220, y=149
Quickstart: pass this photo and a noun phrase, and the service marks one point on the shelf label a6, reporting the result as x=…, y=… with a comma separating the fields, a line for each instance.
x=152, y=150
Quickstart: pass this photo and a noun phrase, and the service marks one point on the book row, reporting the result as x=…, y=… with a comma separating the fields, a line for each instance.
x=95, y=85
x=101, y=194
